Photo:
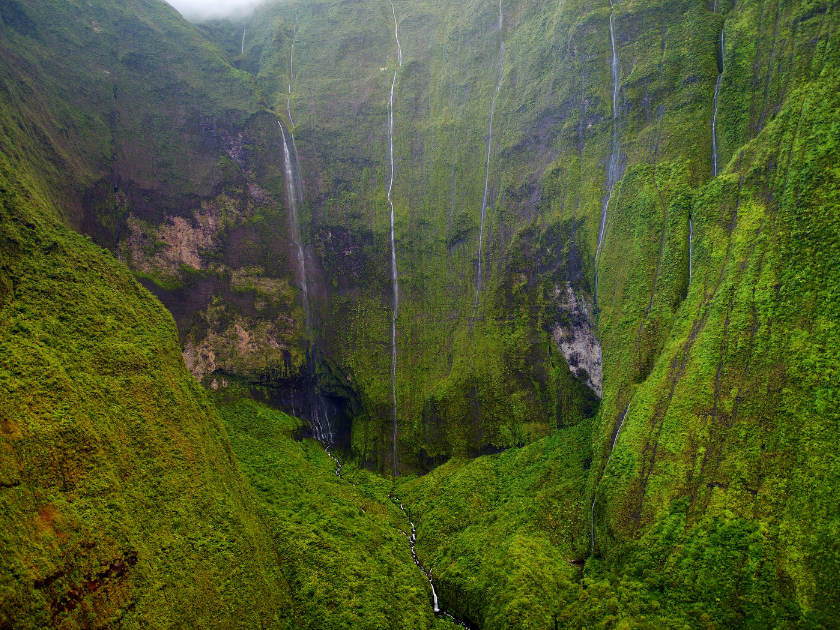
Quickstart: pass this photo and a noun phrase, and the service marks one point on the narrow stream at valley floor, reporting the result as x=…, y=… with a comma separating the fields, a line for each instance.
x=412, y=541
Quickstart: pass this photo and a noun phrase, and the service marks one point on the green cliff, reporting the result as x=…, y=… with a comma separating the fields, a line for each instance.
x=613, y=363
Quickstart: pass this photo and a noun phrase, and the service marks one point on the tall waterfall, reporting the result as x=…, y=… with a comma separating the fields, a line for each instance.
x=609, y=457
x=243, y=39
x=394, y=276
x=614, y=163
x=294, y=195
x=714, y=115
x=291, y=76
x=487, y=166
x=690, y=247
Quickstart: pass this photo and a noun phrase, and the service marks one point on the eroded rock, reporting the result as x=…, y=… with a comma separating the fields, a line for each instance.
x=576, y=339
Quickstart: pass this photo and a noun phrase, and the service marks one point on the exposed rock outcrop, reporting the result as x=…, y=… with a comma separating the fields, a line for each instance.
x=576, y=339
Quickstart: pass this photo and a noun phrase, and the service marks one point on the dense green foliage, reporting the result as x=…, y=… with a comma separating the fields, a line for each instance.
x=342, y=541
x=699, y=492
x=120, y=500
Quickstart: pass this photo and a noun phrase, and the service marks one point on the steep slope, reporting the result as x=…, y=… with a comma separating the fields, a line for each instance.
x=121, y=501
x=123, y=504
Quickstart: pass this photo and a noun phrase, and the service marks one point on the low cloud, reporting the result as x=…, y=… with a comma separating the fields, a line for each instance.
x=198, y=10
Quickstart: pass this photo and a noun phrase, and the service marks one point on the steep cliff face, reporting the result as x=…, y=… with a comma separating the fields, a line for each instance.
x=609, y=125
x=615, y=233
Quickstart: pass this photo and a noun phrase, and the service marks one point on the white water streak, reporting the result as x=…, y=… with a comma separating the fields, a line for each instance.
x=714, y=115
x=394, y=274
x=613, y=166
x=294, y=192
x=592, y=506
x=291, y=76
x=243, y=39
x=397, y=34
x=690, y=246
x=487, y=167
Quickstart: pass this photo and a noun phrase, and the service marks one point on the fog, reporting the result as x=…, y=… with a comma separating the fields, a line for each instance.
x=197, y=10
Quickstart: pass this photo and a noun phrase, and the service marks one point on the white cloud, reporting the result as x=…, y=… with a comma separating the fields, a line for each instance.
x=197, y=10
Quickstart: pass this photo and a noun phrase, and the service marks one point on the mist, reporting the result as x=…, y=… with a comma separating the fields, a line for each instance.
x=198, y=10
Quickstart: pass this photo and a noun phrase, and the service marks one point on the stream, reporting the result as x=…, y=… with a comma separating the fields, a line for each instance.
x=595, y=494
x=412, y=541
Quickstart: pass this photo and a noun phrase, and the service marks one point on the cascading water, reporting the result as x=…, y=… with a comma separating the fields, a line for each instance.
x=394, y=275
x=318, y=409
x=412, y=541
x=243, y=39
x=594, y=494
x=614, y=164
x=294, y=193
x=714, y=115
x=291, y=77
x=690, y=246
x=487, y=167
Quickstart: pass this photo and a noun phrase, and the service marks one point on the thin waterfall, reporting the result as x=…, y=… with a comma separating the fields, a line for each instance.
x=291, y=77
x=487, y=166
x=714, y=115
x=690, y=246
x=396, y=33
x=613, y=165
x=243, y=39
x=394, y=274
x=592, y=506
x=294, y=194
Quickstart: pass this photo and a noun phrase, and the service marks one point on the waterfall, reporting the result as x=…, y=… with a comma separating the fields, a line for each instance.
x=243, y=39
x=397, y=33
x=394, y=275
x=690, y=246
x=412, y=541
x=613, y=165
x=291, y=76
x=594, y=494
x=294, y=194
x=487, y=166
x=714, y=115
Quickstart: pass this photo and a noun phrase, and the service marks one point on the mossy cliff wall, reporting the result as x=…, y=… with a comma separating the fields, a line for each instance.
x=702, y=480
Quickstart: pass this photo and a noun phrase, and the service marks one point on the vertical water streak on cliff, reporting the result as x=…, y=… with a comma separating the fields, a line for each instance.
x=291, y=77
x=294, y=194
x=595, y=493
x=396, y=34
x=714, y=115
x=243, y=40
x=487, y=167
x=613, y=164
x=690, y=247
x=394, y=274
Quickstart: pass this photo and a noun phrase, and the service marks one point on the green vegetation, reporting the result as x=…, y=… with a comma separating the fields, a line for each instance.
x=341, y=541
x=129, y=498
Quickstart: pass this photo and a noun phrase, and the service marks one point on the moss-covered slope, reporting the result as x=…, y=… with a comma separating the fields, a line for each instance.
x=121, y=503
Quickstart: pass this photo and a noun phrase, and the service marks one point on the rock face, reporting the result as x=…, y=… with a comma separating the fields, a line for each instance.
x=175, y=165
x=577, y=340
